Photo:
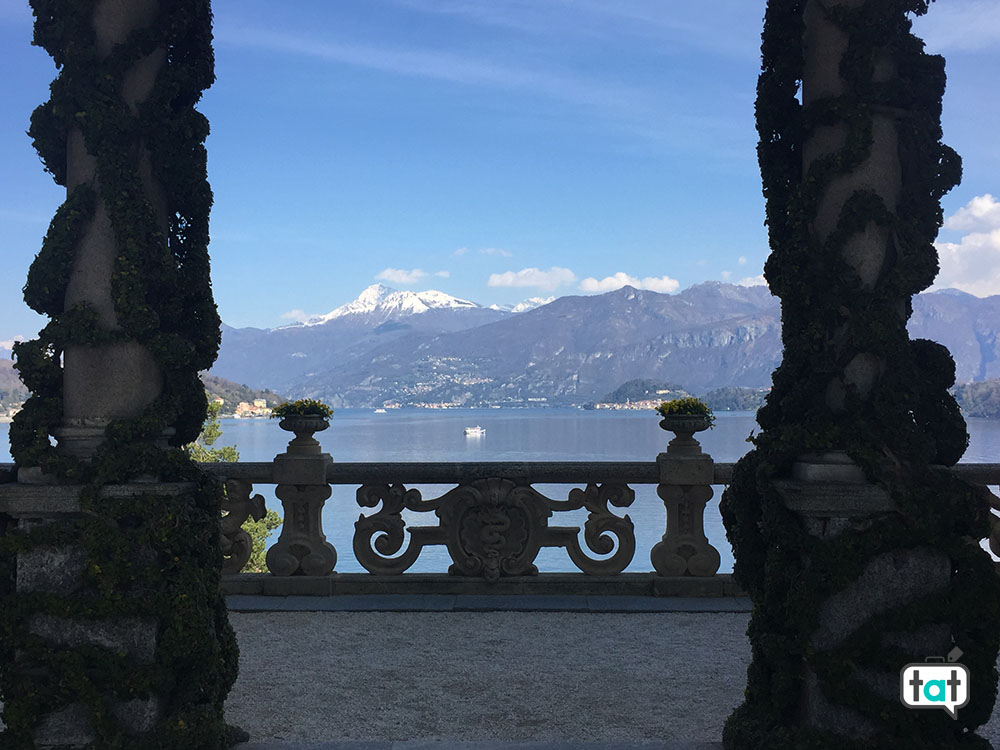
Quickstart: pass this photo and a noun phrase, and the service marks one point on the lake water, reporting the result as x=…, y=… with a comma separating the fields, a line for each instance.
x=514, y=435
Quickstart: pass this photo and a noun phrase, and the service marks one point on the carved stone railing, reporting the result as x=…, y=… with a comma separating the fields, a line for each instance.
x=492, y=521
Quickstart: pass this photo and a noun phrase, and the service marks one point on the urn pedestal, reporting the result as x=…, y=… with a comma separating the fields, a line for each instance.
x=300, y=473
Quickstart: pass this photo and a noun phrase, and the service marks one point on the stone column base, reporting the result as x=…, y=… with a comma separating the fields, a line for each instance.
x=61, y=571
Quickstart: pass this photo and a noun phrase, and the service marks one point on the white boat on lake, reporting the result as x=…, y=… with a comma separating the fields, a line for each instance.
x=381, y=411
x=475, y=431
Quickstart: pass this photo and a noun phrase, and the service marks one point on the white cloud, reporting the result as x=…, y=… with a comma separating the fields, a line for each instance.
x=9, y=343
x=460, y=252
x=973, y=263
x=725, y=275
x=753, y=281
x=547, y=280
x=981, y=214
x=663, y=284
x=742, y=260
x=300, y=316
x=401, y=276
x=495, y=251
x=443, y=274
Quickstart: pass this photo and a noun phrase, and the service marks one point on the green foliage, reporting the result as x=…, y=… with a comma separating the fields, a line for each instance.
x=979, y=399
x=202, y=450
x=259, y=532
x=306, y=407
x=896, y=432
x=736, y=399
x=689, y=405
x=162, y=298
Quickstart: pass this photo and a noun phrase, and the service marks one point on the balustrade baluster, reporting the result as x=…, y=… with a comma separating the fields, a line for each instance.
x=686, y=475
x=300, y=474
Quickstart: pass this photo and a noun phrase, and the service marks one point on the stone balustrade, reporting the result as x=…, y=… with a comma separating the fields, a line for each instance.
x=492, y=521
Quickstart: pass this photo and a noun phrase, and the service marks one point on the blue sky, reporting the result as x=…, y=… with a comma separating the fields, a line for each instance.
x=492, y=149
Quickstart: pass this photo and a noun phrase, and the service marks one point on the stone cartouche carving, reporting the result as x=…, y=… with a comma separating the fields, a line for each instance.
x=493, y=528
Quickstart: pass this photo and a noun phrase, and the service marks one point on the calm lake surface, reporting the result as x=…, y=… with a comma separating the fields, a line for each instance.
x=521, y=435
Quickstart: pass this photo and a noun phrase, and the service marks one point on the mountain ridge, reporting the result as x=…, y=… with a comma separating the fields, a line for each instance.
x=386, y=301
x=575, y=349
x=384, y=348
x=569, y=350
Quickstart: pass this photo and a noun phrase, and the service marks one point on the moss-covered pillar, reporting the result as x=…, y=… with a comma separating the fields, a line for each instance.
x=118, y=379
x=856, y=544
x=114, y=633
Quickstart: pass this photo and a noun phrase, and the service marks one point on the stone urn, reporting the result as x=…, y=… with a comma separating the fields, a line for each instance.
x=684, y=426
x=304, y=425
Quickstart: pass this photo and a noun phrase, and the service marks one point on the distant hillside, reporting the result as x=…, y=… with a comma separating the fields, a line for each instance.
x=644, y=390
x=720, y=399
x=979, y=399
x=571, y=351
x=735, y=399
x=12, y=390
x=430, y=349
x=232, y=393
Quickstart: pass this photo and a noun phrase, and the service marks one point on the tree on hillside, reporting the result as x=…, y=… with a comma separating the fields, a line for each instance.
x=979, y=399
x=202, y=450
x=733, y=398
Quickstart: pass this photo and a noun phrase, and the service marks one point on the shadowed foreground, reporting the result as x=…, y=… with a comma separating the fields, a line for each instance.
x=545, y=679
x=514, y=676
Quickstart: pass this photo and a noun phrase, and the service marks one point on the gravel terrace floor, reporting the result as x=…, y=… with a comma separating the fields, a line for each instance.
x=466, y=679
x=491, y=676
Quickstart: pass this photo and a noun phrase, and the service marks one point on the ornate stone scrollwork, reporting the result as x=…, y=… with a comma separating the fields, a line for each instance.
x=493, y=528
x=601, y=523
x=380, y=535
x=239, y=505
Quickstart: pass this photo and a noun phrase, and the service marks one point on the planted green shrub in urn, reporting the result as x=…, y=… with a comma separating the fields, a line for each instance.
x=303, y=417
x=684, y=417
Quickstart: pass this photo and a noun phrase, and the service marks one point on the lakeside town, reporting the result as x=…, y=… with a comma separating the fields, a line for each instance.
x=979, y=399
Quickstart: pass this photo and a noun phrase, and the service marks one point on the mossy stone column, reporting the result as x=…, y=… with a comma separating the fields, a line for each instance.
x=115, y=634
x=856, y=544
x=119, y=379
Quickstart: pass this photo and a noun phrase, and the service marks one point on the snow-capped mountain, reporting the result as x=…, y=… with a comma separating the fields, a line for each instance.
x=572, y=350
x=379, y=301
x=528, y=304
x=380, y=315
